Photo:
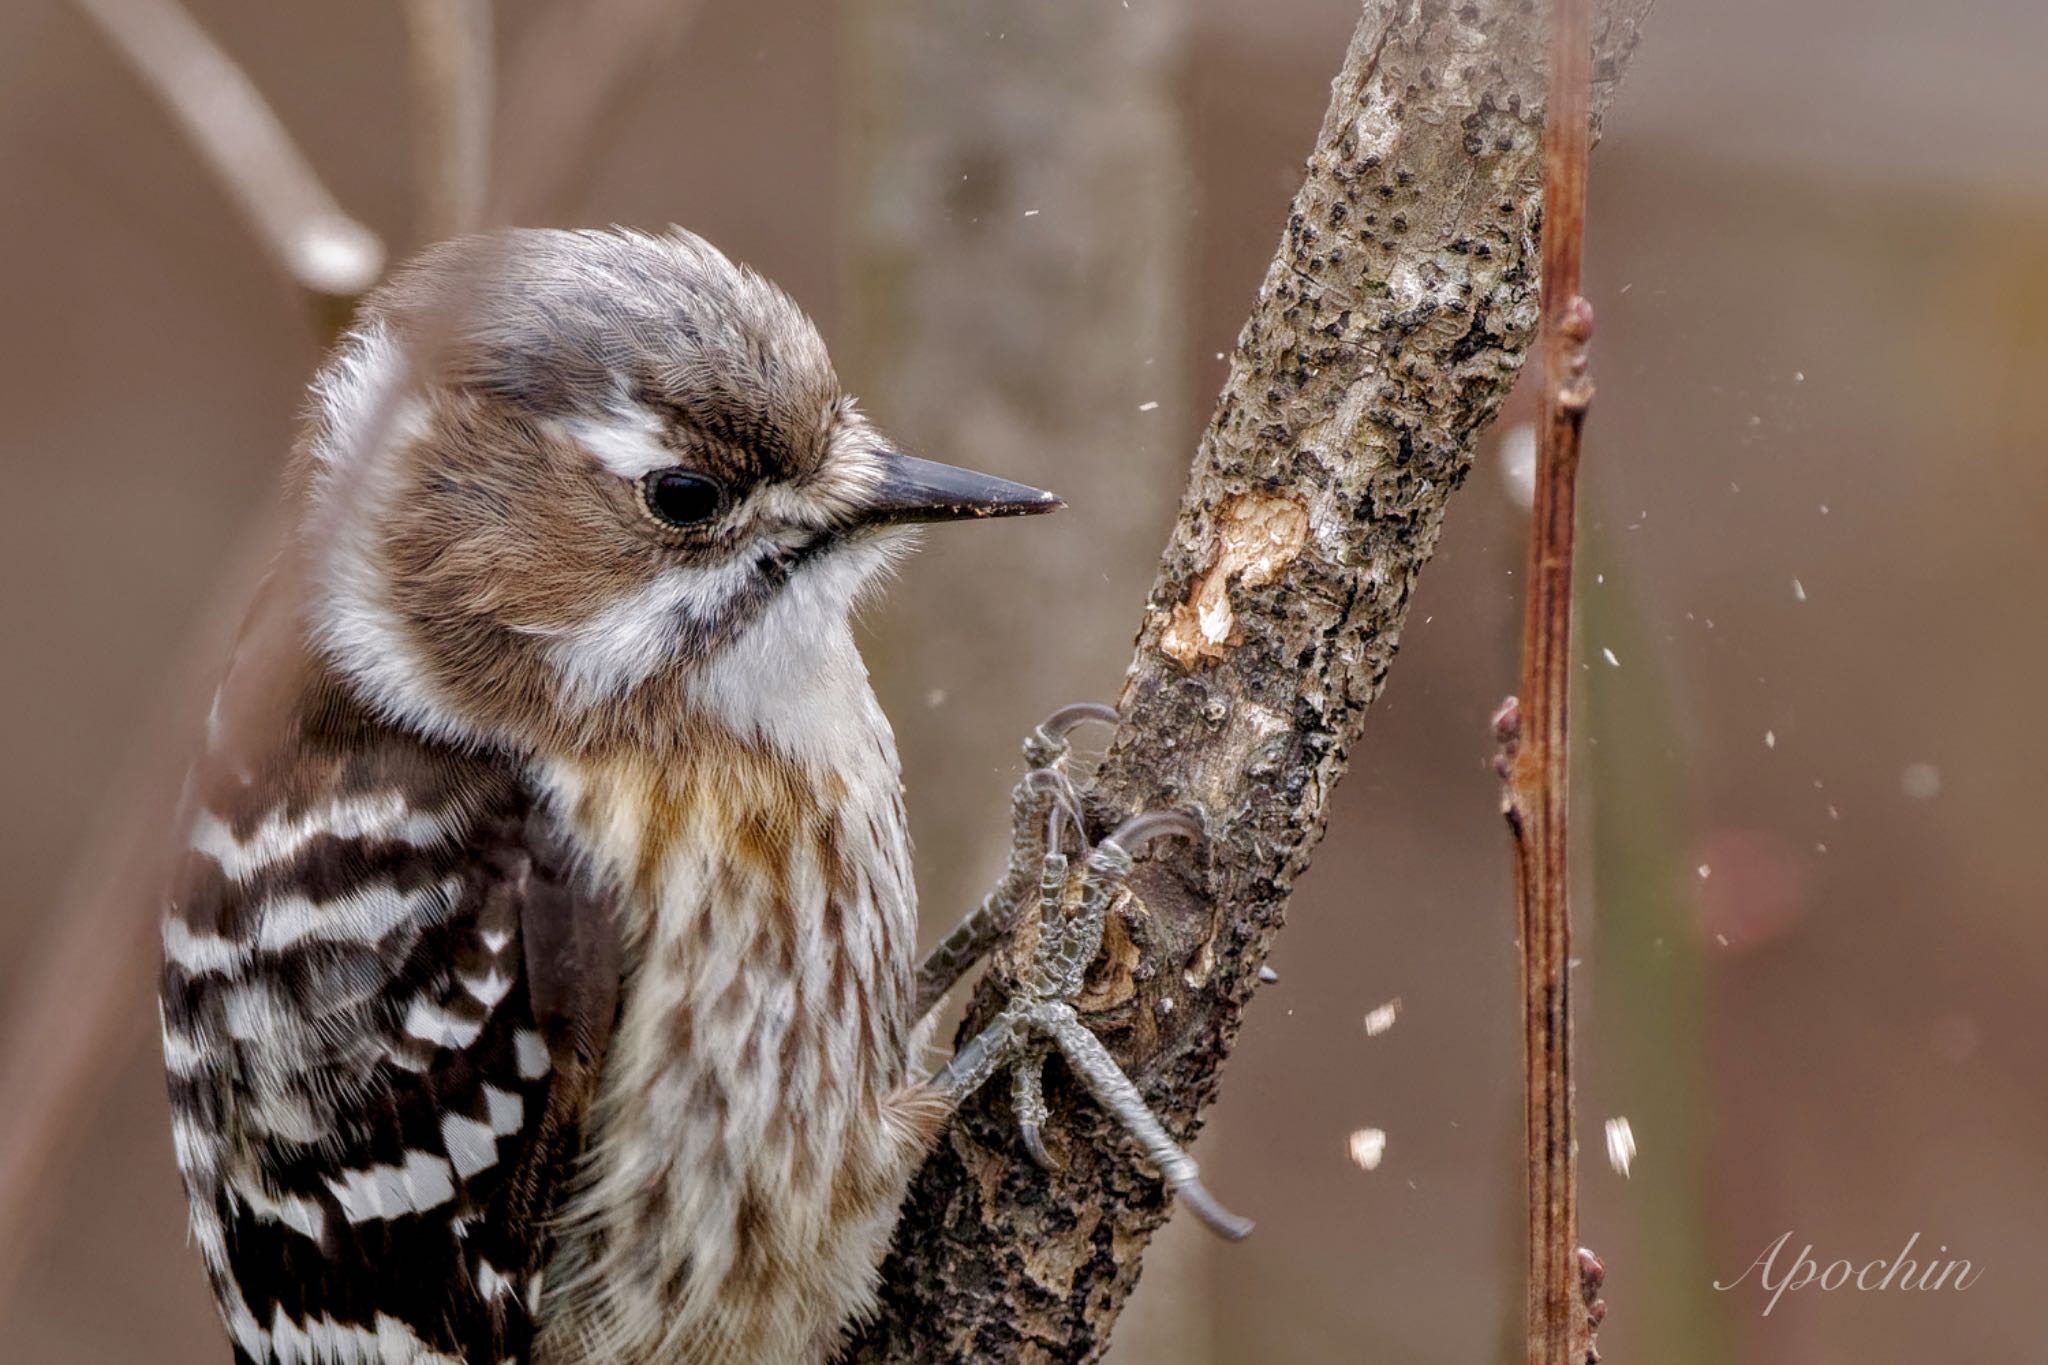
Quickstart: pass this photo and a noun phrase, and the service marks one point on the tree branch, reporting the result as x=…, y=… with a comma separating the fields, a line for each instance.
x=572, y=73
x=451, y=80
x=1534, y=735
x=220, y=111
x=86, y=1002
x=1394, y=317
x=88, y=999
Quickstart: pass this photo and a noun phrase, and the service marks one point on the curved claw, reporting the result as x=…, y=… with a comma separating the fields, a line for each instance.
x=1063, y=721
x=1063, y=803
x=1034, y=1144
x=1047, y=744
x=1154, y=824
x=1214, y=1216
x=1027, y=1097
x=1062, y=808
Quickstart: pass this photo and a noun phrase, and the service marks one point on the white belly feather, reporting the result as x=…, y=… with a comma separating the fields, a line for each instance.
x=744, y=1163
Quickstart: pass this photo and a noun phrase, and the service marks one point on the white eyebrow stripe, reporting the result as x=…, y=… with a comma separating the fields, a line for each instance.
x=629, y=446
x=837, y=491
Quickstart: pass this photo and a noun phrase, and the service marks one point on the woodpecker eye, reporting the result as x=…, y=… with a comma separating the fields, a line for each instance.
x=681, y=498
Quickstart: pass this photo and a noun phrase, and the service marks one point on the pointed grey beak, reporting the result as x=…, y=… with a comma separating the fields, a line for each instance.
x=924, y=490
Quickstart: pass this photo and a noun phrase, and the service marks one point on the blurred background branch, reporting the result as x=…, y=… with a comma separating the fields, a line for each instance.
x=565, y=88
x=227, y=121
x=452, y=75
x=1021, y=227
x=66, y=1032
x=1651, y=1026
x=63, y=1038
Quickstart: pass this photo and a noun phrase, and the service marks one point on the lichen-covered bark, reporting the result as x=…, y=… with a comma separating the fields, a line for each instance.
x=1392, y=321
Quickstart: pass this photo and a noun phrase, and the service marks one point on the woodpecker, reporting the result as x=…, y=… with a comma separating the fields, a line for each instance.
x=539, y=972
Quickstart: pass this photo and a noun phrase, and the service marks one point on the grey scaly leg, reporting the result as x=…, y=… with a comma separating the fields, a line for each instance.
x=1027, y=1066
x=1036, y=809
x=1042, y=1011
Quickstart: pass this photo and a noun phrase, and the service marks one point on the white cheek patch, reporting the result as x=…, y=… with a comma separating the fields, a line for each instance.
x=361, y=391
x=368, y=417
x=605, y=656
x=793, y=677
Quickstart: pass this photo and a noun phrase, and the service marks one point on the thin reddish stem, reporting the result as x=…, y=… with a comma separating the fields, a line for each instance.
x=1534, y=734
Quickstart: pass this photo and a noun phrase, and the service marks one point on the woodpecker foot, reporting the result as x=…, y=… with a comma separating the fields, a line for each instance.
x=1039, y=805
x=1040, y=1016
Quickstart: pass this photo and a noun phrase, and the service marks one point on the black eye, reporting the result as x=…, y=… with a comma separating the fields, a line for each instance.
x=681, y=498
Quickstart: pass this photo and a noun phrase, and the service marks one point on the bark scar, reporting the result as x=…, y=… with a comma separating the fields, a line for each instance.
x=1258, y=535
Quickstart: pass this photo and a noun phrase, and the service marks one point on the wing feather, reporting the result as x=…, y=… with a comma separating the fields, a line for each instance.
x=387, y=990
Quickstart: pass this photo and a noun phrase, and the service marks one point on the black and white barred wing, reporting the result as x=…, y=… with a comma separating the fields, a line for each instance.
x=384, y=1003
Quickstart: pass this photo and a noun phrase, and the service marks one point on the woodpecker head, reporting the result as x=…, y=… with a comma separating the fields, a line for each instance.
x=566, y=486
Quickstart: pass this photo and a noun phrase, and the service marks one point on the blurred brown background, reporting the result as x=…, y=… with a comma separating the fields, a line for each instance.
x=1815, y=953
